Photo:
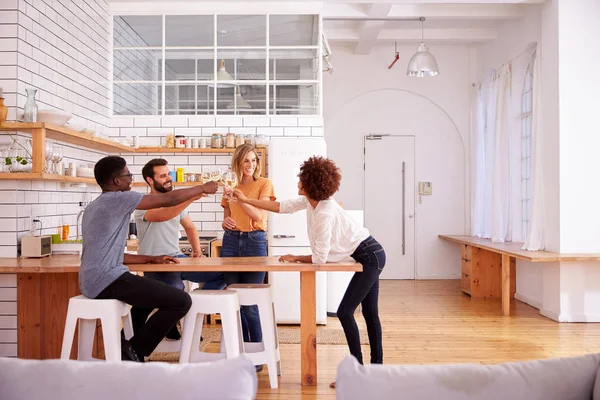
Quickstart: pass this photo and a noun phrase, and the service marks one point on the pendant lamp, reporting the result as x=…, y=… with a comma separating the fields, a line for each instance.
x=422, y=63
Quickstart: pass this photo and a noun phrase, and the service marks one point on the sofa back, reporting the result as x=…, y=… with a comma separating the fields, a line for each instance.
x=559, y=378
x=98, y=380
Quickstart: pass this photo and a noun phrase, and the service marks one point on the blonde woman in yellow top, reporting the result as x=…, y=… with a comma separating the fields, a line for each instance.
x=245, y=227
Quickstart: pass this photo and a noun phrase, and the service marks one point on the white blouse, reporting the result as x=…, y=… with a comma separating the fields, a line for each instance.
x=333, y=235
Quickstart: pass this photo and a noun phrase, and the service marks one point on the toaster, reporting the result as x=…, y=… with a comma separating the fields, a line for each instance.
x=36, y=246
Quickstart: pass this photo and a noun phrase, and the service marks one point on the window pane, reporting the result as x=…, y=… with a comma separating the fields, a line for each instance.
x=225, y=97
x=244, y=64
x=184, y=99
x=250, y=100
x=242, y=30
x=184, y=65
x=189, y=30
x=136, y=99
x=137, y=31
x=294, y=99
x=136, y=65
x=293, y=65
x=293, y=30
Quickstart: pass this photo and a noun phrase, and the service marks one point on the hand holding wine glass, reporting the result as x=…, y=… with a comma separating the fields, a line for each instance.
x=230, y=181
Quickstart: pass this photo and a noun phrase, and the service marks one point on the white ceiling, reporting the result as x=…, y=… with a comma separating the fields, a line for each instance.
x=363, y=23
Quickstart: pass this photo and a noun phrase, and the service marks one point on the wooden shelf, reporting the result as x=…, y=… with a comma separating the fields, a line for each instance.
x=37, y=176
x=186, y=150
x=66, y=135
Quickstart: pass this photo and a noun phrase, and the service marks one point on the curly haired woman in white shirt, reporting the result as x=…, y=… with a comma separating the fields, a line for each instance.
x=333, y=237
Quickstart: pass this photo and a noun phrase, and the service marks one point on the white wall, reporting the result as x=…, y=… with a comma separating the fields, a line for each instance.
x=363, y=97
x=579, y=135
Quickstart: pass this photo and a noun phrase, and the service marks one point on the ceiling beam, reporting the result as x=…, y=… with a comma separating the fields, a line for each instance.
x=429, y=11
x=370, y=29
x=414, y=35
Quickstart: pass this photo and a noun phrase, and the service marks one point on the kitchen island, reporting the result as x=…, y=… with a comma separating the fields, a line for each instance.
x=44, y=286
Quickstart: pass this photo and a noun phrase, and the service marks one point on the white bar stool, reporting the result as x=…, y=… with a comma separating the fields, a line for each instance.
x=224, y=302
x=266, y=352
x=111, y=314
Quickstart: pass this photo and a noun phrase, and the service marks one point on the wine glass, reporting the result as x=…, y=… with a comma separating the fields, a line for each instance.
x=215, y=175
x=49, y=151
x=229, y=180
x=206, y=177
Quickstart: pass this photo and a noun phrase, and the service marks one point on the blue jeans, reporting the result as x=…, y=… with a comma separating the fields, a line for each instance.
x=246, y=244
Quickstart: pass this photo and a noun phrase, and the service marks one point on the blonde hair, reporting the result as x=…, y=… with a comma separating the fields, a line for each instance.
x=237, y=161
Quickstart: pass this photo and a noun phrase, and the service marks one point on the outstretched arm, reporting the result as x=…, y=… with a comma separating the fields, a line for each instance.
x=167, y=213
x=176, y=197
x=268, y=205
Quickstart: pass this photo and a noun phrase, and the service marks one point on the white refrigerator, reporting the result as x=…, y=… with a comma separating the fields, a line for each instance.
x=287, y=233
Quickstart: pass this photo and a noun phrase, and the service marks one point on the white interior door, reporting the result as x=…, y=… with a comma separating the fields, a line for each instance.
x=390, y=201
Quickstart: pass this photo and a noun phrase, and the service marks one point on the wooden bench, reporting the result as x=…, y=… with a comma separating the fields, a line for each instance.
x=489, y=269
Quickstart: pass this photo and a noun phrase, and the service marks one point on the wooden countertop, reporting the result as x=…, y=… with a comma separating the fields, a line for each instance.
x=513, y=249
x=70, y=263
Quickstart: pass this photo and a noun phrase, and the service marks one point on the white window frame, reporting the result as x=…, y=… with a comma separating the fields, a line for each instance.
x=268, y=83
x=525, y=117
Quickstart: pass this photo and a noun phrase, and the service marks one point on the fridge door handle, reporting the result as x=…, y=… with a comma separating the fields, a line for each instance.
x=283, y=236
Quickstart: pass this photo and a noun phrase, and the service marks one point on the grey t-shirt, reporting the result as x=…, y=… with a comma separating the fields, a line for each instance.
x=158, y=238
x=104, y=226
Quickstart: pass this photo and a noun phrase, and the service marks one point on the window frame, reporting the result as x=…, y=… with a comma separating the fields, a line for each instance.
x=268, y=82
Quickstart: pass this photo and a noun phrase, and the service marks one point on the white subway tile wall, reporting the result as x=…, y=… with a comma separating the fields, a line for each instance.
x=62, y=49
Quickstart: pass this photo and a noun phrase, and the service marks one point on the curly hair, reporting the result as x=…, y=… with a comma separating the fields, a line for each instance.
x=320, y=178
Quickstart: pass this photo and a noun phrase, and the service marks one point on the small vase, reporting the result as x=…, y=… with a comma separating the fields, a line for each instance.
x=31, y=108
x=3, y=110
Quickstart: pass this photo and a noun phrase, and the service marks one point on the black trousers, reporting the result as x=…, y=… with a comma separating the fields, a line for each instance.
x=172, y=305
x=364, y=289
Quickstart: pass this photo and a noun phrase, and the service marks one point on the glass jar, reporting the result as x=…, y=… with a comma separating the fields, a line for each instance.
x=216, y=141
x=239, y=140
x=230, y=140
x=250, y=139
x=262, y=141
x=179, y=142
x=170, y=141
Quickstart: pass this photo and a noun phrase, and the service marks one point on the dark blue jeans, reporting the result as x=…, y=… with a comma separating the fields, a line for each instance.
x=246, y=244
x=364, y=289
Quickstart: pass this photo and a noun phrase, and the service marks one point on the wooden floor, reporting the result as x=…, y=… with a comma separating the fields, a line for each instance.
x=432, y=322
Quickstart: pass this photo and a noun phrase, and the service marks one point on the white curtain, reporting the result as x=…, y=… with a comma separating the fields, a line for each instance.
x=501, y=183
x=535, y=236
x=491, y=149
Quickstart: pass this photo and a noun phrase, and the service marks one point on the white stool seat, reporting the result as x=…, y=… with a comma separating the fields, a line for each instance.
x=266, y=352
x=224, y=302
x=111, y=314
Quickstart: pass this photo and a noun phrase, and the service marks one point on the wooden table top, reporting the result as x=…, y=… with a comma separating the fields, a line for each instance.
x=513, y=249
x=70, y=263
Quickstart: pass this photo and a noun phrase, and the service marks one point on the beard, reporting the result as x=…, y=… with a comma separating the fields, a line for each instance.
x=161, y=188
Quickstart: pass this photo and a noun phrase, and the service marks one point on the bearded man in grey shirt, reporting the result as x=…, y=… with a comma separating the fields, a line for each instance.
x=103, y=275
x=158, y=234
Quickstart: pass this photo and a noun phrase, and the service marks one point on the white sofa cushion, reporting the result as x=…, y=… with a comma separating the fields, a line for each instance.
x=560, y=378
x=233, y=379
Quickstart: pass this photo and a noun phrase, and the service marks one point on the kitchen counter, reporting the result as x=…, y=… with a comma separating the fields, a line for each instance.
x=45, y=285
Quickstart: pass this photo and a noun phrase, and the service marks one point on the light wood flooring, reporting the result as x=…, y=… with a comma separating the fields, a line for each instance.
x=433, y=322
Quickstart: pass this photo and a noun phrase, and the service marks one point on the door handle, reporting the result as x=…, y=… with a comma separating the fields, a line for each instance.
x=404, y=208
x=410, y=215
x=283, y=236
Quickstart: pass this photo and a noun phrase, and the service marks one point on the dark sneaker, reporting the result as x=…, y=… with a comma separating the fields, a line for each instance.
x=129, y=354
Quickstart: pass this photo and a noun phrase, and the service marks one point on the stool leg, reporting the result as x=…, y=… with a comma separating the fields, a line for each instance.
x=195, y=353
x=277, y=354
x=269, y=337
x=127, y=326
x=85, y=342
x=222, y=345
x=68, y=334
x=111, y=328
x=187, y=336
x=230, y=334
